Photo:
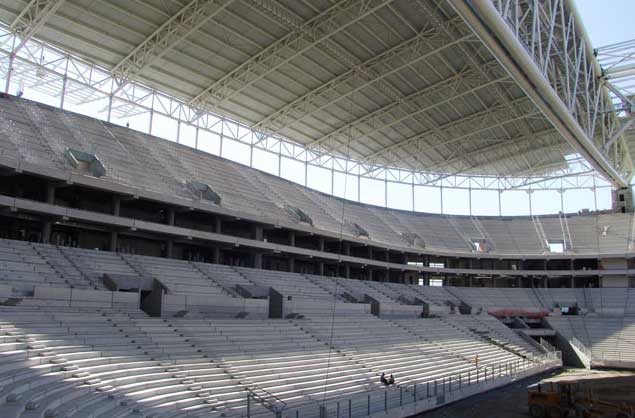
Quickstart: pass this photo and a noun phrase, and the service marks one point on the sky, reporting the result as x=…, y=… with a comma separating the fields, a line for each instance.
x=608, y=21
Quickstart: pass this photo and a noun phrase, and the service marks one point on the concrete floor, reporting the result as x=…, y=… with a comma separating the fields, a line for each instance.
x=511, y=401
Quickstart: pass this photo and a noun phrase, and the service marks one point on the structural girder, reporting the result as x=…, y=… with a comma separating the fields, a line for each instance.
x=458, y=130
x=32, y=18
x=544, y=48
x=312, y=32
x=181, y=25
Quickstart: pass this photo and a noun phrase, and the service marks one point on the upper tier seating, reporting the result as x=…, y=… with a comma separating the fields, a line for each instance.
x=40, y=134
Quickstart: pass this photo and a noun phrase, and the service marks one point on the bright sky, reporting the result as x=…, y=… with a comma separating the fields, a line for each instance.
x=608, y=21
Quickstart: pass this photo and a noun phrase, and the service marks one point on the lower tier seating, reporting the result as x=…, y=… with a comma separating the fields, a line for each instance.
x=116, y=363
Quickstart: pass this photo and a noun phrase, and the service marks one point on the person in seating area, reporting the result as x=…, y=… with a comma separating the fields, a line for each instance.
x=391, y=381
x=383, y=380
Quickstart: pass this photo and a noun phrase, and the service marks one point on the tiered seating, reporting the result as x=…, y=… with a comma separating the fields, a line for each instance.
x=287, y=192
x=96, y=263
x=438, y=296
x=397, y=292
x=180, y=277
x=497, y=297
x=22, y=268
x=277, y=360
x=359, y=288
x=608, y=338
x=226, y=276
x=386, y=347
x=40, y=134
x=461, y=342
x=107, y=364
x=289, y=284
x=493, y=330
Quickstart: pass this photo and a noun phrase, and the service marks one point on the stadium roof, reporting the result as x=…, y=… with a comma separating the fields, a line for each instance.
x=405, y=83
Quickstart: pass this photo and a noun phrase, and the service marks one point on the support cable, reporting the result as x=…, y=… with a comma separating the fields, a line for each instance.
x=335, y=281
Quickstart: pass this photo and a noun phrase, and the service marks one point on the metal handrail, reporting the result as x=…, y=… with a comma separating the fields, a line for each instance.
x=422, y=389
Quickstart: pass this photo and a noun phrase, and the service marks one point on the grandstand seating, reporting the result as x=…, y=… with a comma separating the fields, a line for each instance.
x=24, y=265
x=608, y=338
x=27, y=265
x=39, y=134
x=107, y=360
x=119, y=363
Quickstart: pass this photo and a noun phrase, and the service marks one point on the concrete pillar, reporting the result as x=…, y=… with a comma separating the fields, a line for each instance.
x=47, y=227
x=258, y=233
x=292, y=238
x=347, y=271
x=216, y=255
x=370, y=273
x=519, y=282
x=169, y=248
x=50, y=193
x=572, y=285
x=347, y=248
x=291, y=264
x=171, y=216
x=218, y=225
x=258, y=260
x=546, y=282
x=114, y=238
x=116, y=205
x=471, y=281
x=321, y=269
x=321, y=244
x=370, y=253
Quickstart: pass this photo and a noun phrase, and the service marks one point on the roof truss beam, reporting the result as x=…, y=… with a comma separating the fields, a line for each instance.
x=422, y=46
x=392, y=114
x=571, y=101
x=308, y=35
x=31, y=19
x=459, y=130
x=180, y=26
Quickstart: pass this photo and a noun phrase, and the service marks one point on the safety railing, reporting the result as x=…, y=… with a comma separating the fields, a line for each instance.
x=577, y=344
x=437, y=391
x=547, y=346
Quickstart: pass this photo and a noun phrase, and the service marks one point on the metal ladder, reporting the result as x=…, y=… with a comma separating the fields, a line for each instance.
x=456, y=228
x=540, y=232
x=481, y=230
x=566, y=233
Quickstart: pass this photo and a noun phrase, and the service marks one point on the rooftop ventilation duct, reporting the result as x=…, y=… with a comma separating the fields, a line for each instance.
x=357, y=230
x=204, y=192
x=85, y=162
x=298, y=214
x=412, y=239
